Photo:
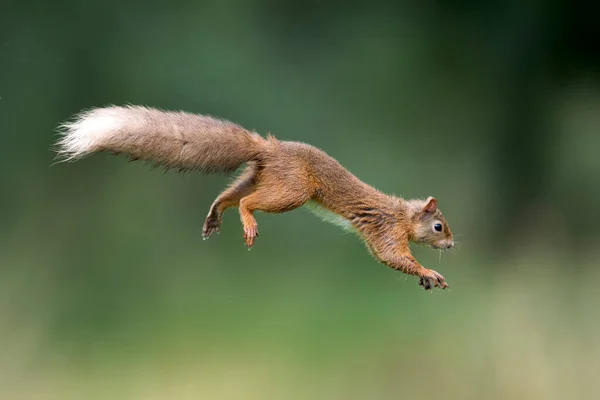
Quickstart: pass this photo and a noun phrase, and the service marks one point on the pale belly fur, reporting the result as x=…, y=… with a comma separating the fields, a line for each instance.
x=329, y=216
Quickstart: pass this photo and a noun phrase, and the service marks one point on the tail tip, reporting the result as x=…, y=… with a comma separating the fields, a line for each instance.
x=85, y=133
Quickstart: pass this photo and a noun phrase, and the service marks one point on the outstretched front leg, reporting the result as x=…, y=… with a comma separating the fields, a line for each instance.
x=242, y=186
x=404, y=261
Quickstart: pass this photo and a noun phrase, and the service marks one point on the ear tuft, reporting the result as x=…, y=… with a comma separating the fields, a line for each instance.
x=430, y=205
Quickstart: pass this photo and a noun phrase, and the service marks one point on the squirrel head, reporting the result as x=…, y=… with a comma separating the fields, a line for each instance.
x=429, y=227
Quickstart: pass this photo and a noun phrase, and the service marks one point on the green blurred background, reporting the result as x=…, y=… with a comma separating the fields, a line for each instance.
x=108, y=292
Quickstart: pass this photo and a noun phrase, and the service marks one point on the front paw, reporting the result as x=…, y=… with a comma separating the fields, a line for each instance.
x=430, y=278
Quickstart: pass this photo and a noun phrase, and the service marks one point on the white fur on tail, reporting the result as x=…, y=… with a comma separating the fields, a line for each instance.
x=88, y=131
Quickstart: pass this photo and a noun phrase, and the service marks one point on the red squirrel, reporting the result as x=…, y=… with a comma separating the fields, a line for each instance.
x=279, y=176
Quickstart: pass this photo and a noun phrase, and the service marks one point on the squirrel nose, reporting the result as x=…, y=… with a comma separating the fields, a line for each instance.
x=450, y=244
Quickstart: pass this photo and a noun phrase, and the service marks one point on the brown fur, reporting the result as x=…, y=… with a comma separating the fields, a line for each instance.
x=279, y=177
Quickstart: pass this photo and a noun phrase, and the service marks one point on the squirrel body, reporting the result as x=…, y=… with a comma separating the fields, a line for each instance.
x=279, y=176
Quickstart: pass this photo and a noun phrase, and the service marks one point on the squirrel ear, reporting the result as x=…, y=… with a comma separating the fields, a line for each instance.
x=430, y=205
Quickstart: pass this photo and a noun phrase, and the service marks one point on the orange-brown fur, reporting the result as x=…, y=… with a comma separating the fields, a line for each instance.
x=279, y=177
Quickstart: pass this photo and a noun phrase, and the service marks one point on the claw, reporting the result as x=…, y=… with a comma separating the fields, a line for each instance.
x=432, y=279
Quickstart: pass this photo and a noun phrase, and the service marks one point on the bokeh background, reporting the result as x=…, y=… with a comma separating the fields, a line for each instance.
x=108, y=291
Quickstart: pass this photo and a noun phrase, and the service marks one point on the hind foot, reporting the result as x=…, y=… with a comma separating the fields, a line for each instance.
x=212, y=224
x=250, y=234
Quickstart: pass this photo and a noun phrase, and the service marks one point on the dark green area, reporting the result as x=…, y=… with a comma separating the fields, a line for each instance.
x=108, y=291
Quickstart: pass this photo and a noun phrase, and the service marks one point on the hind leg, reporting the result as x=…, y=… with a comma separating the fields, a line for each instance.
x=241, y=187
x=277, y=198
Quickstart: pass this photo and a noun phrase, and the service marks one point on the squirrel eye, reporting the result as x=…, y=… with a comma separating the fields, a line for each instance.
x=438, y=227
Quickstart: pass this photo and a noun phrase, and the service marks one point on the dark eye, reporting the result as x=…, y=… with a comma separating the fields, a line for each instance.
x=438, y=227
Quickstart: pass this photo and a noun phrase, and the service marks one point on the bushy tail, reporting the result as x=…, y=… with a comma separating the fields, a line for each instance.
x=173, y=139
